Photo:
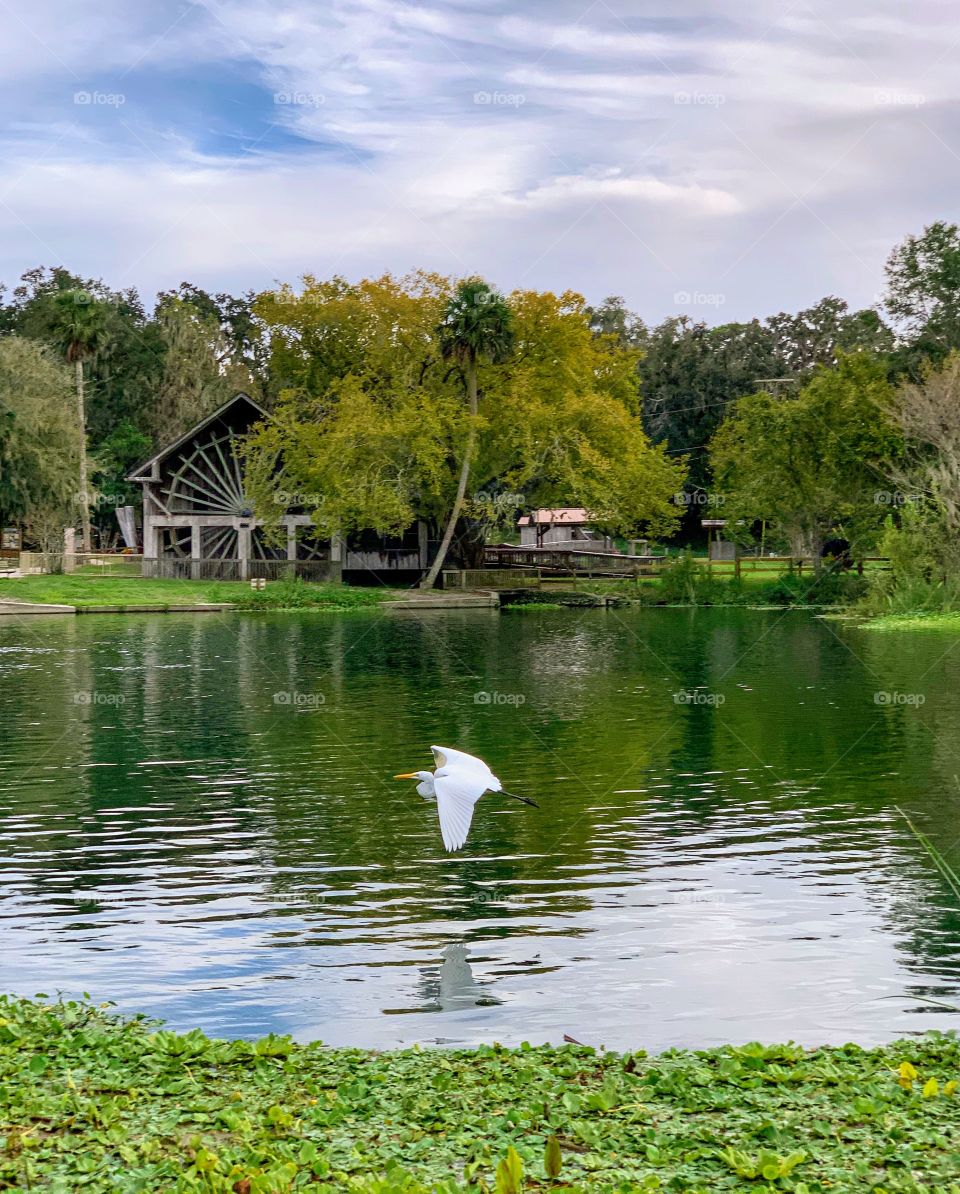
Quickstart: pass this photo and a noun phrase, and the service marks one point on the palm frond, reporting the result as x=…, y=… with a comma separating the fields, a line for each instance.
x=946, y=870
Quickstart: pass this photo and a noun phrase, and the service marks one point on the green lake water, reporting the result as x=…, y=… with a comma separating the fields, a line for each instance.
x=199, y=822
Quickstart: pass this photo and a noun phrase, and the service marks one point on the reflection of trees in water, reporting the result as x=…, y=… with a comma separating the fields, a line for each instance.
x=151, y=690
x=304, y=794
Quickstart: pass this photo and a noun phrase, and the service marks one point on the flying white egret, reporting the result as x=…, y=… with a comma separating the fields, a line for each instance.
x=457, y=784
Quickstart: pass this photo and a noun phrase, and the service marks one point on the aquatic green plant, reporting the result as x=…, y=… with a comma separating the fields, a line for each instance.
x=90, y=1101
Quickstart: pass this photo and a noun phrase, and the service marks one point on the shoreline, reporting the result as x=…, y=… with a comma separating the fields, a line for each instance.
x=72, y=594
x=87, y=1095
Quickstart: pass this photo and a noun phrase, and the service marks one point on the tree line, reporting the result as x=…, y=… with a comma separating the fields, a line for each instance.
x=423, y=396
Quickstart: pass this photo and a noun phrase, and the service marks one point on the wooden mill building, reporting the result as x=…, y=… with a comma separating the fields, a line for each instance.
x=198, y=521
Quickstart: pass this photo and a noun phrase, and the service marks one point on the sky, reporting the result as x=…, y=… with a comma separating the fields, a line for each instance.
x=716, y=160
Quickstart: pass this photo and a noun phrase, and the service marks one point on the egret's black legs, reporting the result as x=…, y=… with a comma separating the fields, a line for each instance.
x=522, y=799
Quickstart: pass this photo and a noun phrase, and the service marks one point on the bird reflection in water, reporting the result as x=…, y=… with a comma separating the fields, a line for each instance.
x=451, y=986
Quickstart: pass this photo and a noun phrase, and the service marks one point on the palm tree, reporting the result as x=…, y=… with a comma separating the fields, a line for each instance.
x=477, y=324
x=82, y=328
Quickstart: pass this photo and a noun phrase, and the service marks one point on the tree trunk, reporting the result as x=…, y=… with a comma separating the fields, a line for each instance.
x=82, y=431
x=431, y=578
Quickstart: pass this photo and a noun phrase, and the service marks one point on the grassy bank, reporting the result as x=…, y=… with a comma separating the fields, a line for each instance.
x=91, y=1102
x=85, y=591
x=918, y=620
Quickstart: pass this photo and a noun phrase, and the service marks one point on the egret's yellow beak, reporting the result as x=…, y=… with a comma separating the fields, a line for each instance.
x=407, y=775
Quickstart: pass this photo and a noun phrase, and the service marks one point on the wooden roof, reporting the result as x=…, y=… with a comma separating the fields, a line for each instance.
x=253, y=413
x=567, y=516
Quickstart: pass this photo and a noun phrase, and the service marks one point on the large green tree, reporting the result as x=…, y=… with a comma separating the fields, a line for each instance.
x=372, y=431
x=817, y=335
x=236, y=335
x=612, y=317
x=923, y=288
x=195, y=377
x=927, y=475
x=477, y=325
x=82, y=330
x=813, y=464
x=689, y=375
x=39, y=447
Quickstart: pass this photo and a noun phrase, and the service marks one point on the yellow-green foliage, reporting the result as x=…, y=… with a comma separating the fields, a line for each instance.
x=370, y=431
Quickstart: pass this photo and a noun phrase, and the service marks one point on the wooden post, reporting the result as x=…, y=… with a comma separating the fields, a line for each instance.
x=196, y=537
x=423, y=544
x=69, y=549
x=243, y=550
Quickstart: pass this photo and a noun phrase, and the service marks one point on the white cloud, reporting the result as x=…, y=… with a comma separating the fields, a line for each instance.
x=761, y=153
x=564, y=190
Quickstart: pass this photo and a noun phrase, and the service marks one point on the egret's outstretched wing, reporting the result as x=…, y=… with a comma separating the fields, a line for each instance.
x=458, y=760
x=456, y=796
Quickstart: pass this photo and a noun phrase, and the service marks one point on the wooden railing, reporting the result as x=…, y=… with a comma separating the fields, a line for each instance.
x=178, y=568
x=562, y=560
x=88, y=564
x=390, y=559
x=553, y=561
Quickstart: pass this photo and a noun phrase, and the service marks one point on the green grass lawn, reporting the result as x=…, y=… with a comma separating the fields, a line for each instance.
x=84, y=591
x=90, y=1102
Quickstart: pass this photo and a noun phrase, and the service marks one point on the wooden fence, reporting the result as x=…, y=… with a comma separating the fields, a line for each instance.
x=103, y=565
x=551, y=562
